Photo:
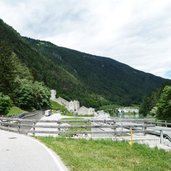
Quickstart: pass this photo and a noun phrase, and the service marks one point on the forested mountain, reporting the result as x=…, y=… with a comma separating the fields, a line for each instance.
x=91, y=79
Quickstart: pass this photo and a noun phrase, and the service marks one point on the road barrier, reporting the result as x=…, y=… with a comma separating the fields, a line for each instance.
x=82, y=127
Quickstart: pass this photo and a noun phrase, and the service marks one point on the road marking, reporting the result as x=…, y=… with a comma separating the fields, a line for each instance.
x=54, y=156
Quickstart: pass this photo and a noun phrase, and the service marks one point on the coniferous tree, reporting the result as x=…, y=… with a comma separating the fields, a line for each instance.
x=7, y=70
x=164, y=104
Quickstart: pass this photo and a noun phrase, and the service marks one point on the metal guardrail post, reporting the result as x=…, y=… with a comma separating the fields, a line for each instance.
x=121, y=129
x=161, y=137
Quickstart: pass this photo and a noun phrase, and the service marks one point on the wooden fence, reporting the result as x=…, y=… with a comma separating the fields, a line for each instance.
x=26, y=126
x=160, y=123
x=83, y=127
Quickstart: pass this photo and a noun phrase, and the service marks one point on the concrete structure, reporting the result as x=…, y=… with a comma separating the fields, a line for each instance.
x=128, y=109
x=86, y=111
x=103, y=115
x=53, y=94
x=73, y=106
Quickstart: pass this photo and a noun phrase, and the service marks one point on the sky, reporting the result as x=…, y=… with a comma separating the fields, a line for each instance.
x=134, y=32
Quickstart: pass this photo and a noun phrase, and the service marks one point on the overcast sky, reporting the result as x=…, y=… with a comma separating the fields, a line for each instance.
x=135, y=32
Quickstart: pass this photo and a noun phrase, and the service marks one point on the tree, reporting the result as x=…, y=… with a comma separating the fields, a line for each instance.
x=149, y=102
x=7, y=70
x=164, y=104
x=10, y=69
x=5, y=104
x=31, y=95
x=145, y=106
x=41, y=95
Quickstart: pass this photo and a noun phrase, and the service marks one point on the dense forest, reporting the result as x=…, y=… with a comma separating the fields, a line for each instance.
x=158, y=103
x=17, y=86
x=102, y=77
x=93, y=80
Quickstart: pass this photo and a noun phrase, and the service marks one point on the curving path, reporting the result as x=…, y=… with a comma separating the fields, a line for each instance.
x=22, y=153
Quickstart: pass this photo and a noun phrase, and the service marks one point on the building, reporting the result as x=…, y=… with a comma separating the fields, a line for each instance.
x=73, y=106
x=85, y=111
x=53, y=94
x=128, y=110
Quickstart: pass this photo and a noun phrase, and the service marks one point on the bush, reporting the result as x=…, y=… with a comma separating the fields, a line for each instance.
x=31, y=95
x=5, y=104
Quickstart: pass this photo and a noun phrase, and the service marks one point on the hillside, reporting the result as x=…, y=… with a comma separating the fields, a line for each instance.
x=113, y=80
x=41, y=67
x=91, y=79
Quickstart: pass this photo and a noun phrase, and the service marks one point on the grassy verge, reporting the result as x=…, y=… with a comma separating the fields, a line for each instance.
x=78, y=123
x=57, y=107
x=75, y=124
x=75, y=118
x=85, y=115
x=106, y=155
x=14, y=111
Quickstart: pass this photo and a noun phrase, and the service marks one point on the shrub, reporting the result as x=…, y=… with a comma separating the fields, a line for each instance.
x=5, y=104
x=31, y=95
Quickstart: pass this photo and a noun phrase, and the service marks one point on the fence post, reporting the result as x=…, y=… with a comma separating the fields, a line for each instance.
x=166, y=123
x=19, y=126
x=8, y=125
x=34, y=124
x=121, y=129
x=58, y=129
x=144, y=129
x=114, y=132
x=161, y=136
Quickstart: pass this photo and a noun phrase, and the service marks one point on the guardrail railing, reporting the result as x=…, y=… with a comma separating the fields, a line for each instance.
x=30, y=126
x=87, y=126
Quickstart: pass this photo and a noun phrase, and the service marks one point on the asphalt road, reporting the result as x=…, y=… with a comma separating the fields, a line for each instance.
x=23, y=153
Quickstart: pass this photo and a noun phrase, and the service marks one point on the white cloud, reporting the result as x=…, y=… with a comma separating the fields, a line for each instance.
x=133, y=32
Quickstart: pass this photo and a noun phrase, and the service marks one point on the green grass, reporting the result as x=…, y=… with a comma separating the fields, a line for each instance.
x=75, y=123
x=107, y=155
x=14, y=111
x=74, y=118
x=85, y=115
x=56, y=106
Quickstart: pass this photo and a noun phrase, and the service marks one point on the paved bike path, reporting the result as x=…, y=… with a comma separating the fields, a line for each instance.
x=22, y=153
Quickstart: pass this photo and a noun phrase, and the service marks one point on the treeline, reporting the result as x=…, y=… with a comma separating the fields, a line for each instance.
x=17, y=85
x=158, y=104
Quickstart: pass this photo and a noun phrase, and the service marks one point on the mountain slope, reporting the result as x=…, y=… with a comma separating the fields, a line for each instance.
x=42, y=68
x=113, y=80
x=75, y=75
